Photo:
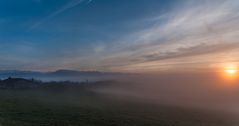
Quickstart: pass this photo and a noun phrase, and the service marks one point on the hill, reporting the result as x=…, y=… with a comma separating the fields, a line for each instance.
x=60, y=75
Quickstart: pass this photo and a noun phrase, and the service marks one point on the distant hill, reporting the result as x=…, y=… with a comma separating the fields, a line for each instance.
x=77, y=73
x=21, y=83
x=60, y=75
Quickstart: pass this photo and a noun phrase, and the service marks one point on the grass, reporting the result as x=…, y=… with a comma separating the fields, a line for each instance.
x=40, y=108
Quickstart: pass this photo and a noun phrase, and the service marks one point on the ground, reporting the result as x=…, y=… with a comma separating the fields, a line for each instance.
x=43, y=108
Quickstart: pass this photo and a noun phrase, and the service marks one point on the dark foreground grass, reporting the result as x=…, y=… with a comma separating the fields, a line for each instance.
x=39, y=108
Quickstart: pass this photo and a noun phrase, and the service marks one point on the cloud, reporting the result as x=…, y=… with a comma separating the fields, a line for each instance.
x=69, y=5
x=89, y=1
x=99, y=49
x=192, y=33
x=191, y=30
x=201, y=49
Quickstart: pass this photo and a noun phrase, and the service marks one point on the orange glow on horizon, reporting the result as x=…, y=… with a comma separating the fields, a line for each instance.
x=230, y=73
x=231, y=69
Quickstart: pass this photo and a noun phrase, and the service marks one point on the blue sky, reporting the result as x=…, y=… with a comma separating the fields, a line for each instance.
x=117, y=35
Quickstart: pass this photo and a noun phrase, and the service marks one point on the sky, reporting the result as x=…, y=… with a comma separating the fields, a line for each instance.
x=118, y=35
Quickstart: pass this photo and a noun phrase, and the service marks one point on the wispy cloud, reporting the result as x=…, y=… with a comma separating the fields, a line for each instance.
x=67, y=6
x=202, y=49
x=193, y=34
x=189, y=30
x=89, y=1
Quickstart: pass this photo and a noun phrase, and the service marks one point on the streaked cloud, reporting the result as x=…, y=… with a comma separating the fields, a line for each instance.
x=191, y=33
x=188, y=31
x=67, y=6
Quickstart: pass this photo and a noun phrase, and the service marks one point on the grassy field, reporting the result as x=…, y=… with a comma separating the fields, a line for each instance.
x=42, y=108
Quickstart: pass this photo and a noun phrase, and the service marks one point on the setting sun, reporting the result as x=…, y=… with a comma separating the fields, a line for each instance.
x=229, y=74
x=231, y=69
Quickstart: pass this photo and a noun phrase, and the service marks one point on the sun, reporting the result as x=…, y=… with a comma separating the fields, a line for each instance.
x=230, y=74
x=231, y=69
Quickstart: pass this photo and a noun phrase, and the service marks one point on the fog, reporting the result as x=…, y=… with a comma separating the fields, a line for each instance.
x=196, y=90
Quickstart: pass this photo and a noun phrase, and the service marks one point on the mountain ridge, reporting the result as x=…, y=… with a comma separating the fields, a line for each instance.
x=62, y=74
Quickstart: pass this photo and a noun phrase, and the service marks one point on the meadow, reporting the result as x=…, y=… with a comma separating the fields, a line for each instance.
x=83, y=107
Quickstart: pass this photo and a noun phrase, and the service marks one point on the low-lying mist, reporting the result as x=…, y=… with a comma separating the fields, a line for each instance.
x=200, y=90
x=163, y=99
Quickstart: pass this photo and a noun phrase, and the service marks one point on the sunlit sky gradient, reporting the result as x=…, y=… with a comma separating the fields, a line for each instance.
x=118, y=35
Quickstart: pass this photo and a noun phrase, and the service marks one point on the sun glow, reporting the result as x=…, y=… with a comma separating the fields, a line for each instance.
x=229, y=75
x=231, y=72
x=231, y=69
